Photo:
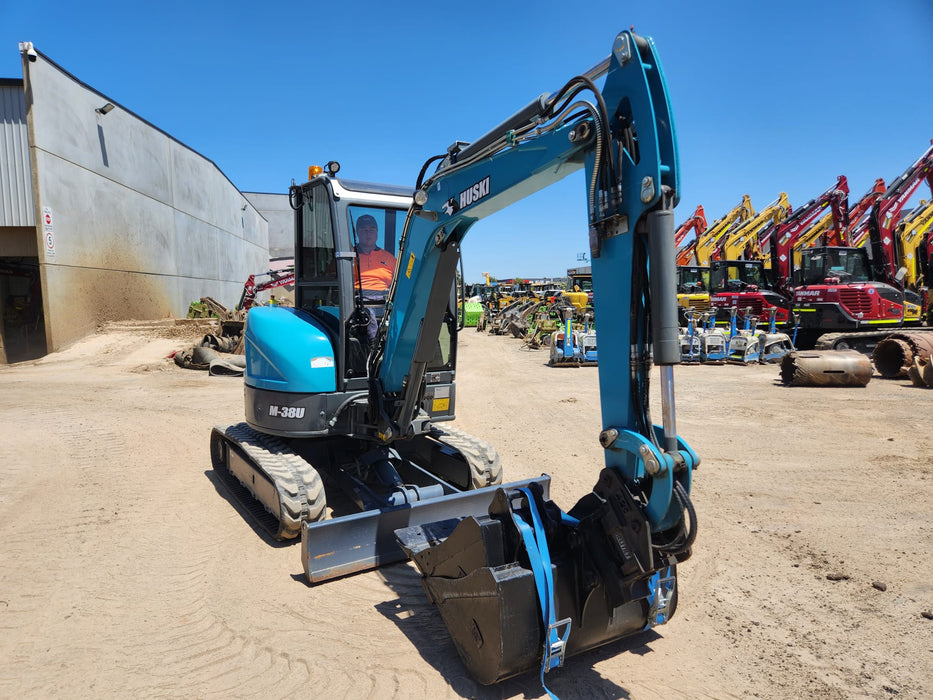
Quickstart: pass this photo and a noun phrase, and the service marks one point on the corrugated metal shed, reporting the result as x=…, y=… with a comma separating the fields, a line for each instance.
x=16, y=202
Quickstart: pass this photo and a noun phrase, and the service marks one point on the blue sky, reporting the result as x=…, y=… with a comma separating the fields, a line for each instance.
x=767, y=96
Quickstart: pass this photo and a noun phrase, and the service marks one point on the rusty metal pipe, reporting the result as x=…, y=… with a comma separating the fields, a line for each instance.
x=894, y=355
x=825, y=368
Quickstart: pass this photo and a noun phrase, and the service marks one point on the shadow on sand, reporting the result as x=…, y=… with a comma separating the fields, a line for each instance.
x=422, y=624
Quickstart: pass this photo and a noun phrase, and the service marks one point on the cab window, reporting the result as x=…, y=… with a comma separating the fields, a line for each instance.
x=317, y=275
x=375, y=233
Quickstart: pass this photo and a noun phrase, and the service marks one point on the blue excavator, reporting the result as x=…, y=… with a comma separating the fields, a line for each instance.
x=349, y=394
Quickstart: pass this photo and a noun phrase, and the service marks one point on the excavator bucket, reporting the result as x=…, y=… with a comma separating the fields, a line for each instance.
x=528, y=585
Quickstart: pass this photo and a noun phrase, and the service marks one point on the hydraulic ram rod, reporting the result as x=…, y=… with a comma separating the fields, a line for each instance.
x=664, y=331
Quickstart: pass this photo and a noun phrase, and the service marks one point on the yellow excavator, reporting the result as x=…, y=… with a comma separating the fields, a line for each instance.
x=814, y=235
x=579, y=290
x=911, y=232
x=742, y=242
x=700, y=249
x=692, y=280
x=693, y=258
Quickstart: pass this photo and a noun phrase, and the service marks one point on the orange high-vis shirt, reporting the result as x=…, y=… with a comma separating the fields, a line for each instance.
x=376, y=269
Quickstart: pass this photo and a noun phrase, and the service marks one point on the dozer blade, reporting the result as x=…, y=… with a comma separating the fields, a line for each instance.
x=366, y=540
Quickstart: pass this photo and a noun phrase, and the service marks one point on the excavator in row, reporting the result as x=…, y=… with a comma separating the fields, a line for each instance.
x=826, y=231
x=746, y=284
x=693, y=258
x=745, y=240
x=700, y=249
x=692, y=280
x=914, y=233
x=349, y=394
x=852, y=297
x=857, y=232
x=887, y=255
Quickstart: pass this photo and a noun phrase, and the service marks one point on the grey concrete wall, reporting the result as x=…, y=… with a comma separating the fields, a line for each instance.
x=142, y=225
x=277, y=211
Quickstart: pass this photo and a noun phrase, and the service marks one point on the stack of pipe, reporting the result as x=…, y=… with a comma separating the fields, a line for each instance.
x=921, y=372
x=894, y=356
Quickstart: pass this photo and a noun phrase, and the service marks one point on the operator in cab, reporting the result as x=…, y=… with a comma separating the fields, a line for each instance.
x=376, y=266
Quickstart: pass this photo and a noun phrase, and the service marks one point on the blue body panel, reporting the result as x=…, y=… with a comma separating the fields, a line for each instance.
x=288, y=350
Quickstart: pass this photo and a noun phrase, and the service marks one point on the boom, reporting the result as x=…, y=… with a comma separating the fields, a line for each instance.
x=701, y=248
x=913, y=231
x=587, y=566
x=886, y=212
x=785, y=236
x=696, y=223
x=826, y=231
x=857, y=232
x=629, y=181
x=745, y=240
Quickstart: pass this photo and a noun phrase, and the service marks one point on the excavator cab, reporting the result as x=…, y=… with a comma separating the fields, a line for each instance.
x=729, y=278
x=309, y=384
x=818, y=265
x=340, y=299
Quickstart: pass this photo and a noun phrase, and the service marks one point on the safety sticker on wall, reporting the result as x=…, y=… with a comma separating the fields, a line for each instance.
x=411, y=264
x=47, y=233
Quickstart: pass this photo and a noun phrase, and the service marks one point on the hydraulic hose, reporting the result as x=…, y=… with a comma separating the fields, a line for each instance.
x=680, y=493
x=639, y=337
x=683, y=541
x=295, y=197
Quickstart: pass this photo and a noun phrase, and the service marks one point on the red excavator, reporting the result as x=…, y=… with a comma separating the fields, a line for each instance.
x=692, y=280
x=746, y=285
x=848, y=297
x=277, y=278
x=887, y=258
x=857, y=233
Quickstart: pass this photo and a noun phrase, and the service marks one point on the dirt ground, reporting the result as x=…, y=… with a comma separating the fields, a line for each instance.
x=127, y=572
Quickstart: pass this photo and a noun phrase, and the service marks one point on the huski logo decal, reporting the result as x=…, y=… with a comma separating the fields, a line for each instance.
x=471, y=195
